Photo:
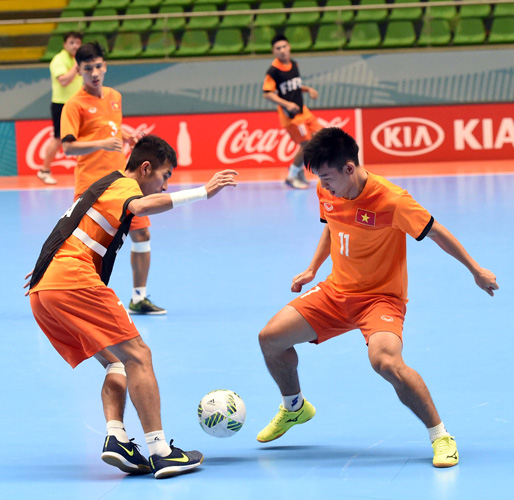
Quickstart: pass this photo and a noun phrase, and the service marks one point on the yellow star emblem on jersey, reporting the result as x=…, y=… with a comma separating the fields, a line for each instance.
x=365, y=217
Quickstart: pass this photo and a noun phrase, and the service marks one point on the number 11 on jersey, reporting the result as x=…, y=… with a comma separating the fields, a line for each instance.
x=345, y=243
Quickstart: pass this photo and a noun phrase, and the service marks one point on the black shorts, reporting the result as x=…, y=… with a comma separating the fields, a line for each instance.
x=56, y=110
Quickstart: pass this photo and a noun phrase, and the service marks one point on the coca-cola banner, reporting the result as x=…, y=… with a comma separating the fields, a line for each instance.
x=243, y=140
x=206, y=141
x=438, y=133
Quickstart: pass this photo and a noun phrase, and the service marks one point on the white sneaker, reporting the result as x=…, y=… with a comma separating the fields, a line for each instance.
x=296, y=183
x=301, y=176
x=46, y=177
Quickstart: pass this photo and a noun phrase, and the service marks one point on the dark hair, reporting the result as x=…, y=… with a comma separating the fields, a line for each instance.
x=278, y=38
x=72, y=34
x=89, y=51
x=153, y=149
x=331, y=146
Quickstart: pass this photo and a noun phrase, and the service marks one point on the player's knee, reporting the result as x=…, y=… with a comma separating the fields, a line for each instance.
x=387, y=366
x=140, y=235
x=270, y=339
x=266, y=338
x=141, y=357
x=115, y=369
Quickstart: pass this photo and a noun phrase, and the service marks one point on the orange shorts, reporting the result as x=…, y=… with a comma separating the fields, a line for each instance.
x=331, y=313
x=302, y=127
x=140, y=222
x=80, y=323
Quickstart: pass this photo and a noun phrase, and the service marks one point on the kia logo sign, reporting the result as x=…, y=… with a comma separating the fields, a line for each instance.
x=407, y=136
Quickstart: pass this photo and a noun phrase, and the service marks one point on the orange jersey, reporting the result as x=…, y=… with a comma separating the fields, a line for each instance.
x=367, y=234
x=89, y=118
x=77, y=263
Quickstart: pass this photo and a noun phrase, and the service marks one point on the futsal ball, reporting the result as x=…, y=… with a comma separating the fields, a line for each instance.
x=221, y=413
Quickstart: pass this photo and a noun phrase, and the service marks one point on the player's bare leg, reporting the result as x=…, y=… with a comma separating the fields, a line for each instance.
x=114, y=389
x=286, y=329
x=296, y=174
x=385, y=355
x=118, y=450
x=51, y=150
x=142, y=385
x=140, y=261
x=165, y=460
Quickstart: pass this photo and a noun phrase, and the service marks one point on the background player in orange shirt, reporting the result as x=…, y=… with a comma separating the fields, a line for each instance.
x=283, y=87
x=91, y=130
x=367, y=219
x=82, y=317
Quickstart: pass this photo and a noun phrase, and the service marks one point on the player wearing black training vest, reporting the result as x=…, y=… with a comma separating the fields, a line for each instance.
x=283, y=86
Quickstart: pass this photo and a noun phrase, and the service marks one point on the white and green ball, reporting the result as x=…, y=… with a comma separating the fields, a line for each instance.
x=221, y=413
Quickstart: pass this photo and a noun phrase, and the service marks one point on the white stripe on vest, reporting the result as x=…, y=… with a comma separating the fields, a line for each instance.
x=89, y=242
x=101, y=221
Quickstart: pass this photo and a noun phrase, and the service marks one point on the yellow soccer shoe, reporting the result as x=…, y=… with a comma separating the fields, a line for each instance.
x=445, y=452
x=284, y=420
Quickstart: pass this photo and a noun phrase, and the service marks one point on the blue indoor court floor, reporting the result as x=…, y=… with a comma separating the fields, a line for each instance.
x=222, y=268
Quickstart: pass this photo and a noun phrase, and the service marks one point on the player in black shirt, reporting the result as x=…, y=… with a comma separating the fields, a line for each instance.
x=283, y=86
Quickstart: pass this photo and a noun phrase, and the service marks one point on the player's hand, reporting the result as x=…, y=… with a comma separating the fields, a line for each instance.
x=27, y=284
x=132, y=140
x=313, y=93
x=302, y=279
x=486, y=280
x=219, y=181
x=113, y=144
x=292, y=107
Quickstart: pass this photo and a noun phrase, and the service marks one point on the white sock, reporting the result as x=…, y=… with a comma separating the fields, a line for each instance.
x=117, y=429
x=437, y=432
x=294, y=402
x=157, y=444
x=294, y=170
x=138, y=294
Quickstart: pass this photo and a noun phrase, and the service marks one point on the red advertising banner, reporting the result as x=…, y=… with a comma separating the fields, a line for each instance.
x=438, y=133
x=241, y=140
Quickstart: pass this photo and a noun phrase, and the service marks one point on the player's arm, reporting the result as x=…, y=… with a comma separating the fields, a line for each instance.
x=60, y=71
x=70, y=133
x=484, y=278
x=158, y=203
x=313, y=93
x=66, y=78
x=276, y=99
x=320, y=255
x=72, y=147
x=131, y=139
x=269, y=88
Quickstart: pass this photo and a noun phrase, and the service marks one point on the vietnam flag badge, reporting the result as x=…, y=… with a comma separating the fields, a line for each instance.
x=115, y=105
x=365, y=217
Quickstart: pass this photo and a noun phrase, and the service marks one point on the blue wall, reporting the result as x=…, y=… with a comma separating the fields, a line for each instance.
x=349, y=80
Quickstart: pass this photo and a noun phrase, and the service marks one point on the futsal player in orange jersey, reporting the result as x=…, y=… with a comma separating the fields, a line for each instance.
x=91, y=129
x=82, y=317
x=366, y=221
x=283, y=87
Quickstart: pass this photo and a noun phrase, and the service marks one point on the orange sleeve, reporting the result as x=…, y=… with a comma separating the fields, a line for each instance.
x=115, y=198
x=70, y=119
x=321, y=206
x=410, y=217
x=269, y=84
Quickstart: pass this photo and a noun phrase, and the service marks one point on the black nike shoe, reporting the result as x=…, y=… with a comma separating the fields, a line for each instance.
x=176, y=462
x=125, y=456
